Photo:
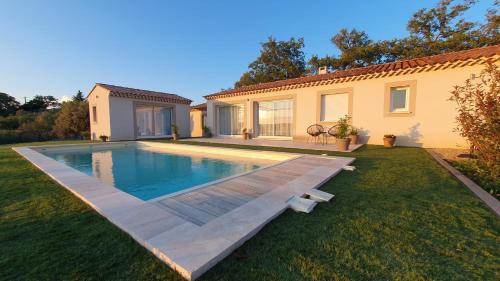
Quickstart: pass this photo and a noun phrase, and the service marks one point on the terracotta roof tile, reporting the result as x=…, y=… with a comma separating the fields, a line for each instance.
x=125, y=92
x=201, y=106
x=403, y=64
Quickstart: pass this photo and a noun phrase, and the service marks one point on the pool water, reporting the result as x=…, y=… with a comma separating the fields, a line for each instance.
x=148, y=174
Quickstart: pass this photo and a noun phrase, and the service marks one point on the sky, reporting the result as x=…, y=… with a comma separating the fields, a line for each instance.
x=189, y=48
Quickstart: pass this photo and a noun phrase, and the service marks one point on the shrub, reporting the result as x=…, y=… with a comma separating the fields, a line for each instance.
x=175, y=129
x=207, y=132
x=478, y=105
x=343, y=127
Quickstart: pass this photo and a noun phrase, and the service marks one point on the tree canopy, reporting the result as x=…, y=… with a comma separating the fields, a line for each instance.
x=277, y=60
x=8, y=104
x=73, y=120
x=39, y=103
x=432, y=31
x=78, y=96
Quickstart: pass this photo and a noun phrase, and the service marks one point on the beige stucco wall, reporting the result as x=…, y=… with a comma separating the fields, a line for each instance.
x=196, y=119
x=116, y=116
x=431, y=123
x=99, y=97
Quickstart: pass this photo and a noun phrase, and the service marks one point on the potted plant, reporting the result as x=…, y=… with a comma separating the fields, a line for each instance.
x=206, y=132
x=353, y=135
x=245, y=134
x=104, y=138
x=342, y=138
x=389, y=140
x=175, y=132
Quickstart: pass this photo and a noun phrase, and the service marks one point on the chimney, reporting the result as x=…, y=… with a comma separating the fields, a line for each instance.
x=322, y=70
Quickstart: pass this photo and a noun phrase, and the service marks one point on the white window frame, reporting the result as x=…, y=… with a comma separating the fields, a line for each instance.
x=406, y=109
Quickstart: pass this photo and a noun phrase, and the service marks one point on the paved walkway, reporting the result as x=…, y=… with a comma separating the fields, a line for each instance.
x=193, y=231
x=275, y=143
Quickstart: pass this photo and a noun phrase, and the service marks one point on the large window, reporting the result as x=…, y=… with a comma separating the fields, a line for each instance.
x=230, y=119
x=153, y=121
x=400, y=99
x=275, y=118
x=334, y=106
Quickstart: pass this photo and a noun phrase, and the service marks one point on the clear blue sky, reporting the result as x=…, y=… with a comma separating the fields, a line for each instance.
x=190, y=48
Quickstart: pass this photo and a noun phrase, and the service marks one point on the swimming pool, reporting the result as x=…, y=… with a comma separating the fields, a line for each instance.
x=149, y=173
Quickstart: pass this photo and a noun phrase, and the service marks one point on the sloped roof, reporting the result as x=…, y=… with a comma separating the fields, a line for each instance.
x=131, y=93
x=201, y=106
x=477, y=53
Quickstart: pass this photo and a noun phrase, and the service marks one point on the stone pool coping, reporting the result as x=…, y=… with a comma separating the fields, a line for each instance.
x=188, y=248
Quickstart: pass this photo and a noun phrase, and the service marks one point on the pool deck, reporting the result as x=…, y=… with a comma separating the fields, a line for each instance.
x=276, y=143
x=193, y=231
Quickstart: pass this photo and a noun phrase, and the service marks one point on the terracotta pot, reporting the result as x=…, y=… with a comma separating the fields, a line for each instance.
x=248, y=136
x=389, y=142
x=175, y=137
x=342, y=144
x=245, y=136
x=354, y=139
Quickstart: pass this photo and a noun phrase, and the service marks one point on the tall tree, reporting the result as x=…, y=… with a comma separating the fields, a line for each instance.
x=78, y=96
x=39, y=103
x=431, y=31
x=278, y=60
x=8, y=104
x=73, y=119
x=357, y=50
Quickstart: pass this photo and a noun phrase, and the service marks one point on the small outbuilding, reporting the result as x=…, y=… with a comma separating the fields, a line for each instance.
x=122, y=113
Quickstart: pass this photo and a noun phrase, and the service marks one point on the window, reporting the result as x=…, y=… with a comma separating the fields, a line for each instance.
x=230, y=119
x=94, y=114
x=275, y=118
x=334, y=106
x=153, y=121
x=400, y=99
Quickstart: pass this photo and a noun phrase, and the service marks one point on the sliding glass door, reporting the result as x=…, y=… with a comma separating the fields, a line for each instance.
x=230, y=119
x=275, y=118
x=153, y=120
x=163, y=121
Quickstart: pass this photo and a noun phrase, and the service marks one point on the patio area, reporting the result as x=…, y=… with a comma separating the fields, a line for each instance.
x=275, y=143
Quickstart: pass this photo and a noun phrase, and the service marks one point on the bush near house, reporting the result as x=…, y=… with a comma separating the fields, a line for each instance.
x=478, y=106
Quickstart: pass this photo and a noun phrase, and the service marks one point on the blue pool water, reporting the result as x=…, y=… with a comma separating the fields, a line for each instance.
x=148, y=174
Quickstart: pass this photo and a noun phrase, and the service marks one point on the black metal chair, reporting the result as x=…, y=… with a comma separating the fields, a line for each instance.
x=315, y=132
x=332, y=132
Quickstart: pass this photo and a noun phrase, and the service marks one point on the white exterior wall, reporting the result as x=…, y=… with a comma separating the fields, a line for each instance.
x=431, y=125
x=116, y=116
x=100, y=99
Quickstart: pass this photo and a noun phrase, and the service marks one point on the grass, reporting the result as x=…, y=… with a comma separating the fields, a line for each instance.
x=478, y=174
x=399, y=216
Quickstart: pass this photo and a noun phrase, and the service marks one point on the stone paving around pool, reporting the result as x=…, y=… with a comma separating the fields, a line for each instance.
x=194, y=230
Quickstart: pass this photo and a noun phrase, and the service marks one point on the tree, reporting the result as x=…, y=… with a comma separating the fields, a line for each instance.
x=278, y=60
x=356, y=48
x=78, y=96
x=432, y=31
x=73, y=120
x=478, y=105
x=41, y=127
x=39, y=103
x=8, y=104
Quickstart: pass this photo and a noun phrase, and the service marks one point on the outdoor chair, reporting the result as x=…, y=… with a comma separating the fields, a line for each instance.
x=315, y=132
x=332, y=132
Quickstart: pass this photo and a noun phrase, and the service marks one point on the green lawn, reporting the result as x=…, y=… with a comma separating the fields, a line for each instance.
x=399, y=216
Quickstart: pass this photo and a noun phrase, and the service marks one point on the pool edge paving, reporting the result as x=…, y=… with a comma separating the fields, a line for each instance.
x=188, y=248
